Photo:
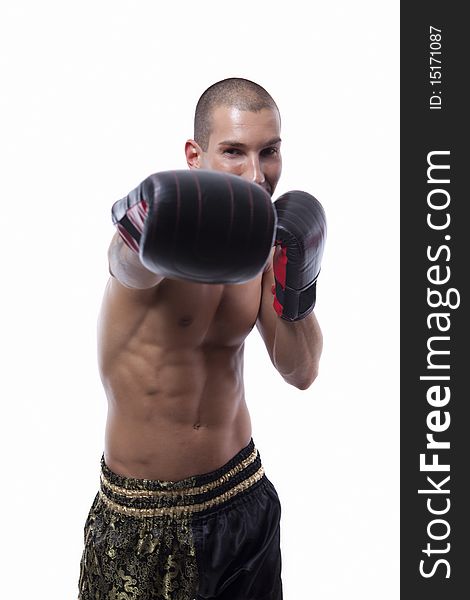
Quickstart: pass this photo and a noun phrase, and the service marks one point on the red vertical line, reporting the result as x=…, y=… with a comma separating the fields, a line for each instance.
x=250, y=196
x=178, y=209
x=232, y=210
x=199, y=210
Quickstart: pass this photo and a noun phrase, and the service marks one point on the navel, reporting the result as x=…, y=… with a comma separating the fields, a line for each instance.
x=185, y=321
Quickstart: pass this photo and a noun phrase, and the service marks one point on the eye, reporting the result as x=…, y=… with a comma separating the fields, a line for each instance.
x=271, y=151
x=232, y=151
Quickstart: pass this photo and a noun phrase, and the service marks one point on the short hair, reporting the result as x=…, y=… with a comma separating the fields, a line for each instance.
x=234, y=92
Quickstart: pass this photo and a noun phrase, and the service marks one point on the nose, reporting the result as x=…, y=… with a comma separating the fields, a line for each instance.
x=254, y=171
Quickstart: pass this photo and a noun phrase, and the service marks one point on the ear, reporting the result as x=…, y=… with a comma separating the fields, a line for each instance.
x=193, y=154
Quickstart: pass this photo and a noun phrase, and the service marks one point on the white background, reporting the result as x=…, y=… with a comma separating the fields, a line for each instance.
x=95, y=97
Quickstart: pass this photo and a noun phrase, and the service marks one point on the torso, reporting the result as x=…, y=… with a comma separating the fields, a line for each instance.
x=171, y=362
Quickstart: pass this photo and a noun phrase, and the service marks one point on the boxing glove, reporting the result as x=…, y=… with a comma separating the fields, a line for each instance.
x=198, y=225
x=300, y=237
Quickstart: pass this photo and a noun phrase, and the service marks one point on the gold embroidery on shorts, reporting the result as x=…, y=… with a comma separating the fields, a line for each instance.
x=175, y=511
x=132, y=557
x=184, y=491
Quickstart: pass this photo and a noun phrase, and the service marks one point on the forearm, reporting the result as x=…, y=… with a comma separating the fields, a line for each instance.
x=297, y=349
x=125, y=266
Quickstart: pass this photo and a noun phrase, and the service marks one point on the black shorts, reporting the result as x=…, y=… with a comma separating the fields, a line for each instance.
x=209, y=536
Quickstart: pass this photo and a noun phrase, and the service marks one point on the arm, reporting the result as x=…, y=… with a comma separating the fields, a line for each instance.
x=294, y=346
x=126, y=267
x=288, y=326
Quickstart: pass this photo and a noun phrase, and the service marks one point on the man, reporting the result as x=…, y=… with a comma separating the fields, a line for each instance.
x=185, y=510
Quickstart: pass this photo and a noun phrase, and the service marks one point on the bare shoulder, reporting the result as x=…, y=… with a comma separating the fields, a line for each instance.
x=118, y=293
x=122, y=309
x=123, y=304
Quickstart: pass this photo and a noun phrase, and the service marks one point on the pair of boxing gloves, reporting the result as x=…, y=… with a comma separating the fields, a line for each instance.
x=214, y=227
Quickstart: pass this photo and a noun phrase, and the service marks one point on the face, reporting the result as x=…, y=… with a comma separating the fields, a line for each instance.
x=244, y=143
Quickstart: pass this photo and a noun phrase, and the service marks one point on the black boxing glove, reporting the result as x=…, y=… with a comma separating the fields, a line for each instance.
x=300, y=237
x=198, y=225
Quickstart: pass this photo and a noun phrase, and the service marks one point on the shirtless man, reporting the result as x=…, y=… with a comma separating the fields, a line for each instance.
x=185, y=510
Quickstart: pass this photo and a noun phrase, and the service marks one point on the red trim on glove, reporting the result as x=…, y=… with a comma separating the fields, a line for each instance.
x=128, y=239
x=279, y=269
x=280, y=265
x=137, y=214
x=277, y=307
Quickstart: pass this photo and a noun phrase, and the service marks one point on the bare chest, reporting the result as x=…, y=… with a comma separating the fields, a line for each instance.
x=195, y=314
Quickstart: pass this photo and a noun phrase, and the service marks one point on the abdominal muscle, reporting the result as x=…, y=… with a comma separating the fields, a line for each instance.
x=176, y=403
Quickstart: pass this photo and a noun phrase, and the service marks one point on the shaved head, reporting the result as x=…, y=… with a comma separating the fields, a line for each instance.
x=233, y=92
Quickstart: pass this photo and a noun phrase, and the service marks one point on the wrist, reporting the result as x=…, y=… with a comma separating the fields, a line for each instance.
x=125, y=266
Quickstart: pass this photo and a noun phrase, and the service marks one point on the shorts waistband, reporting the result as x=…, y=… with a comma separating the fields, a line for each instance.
x=151, y=498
